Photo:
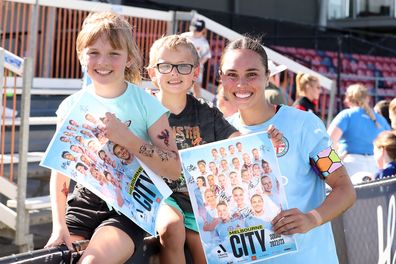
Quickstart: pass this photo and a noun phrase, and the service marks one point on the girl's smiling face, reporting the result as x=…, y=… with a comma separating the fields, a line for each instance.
x=105, y=64
x=244, y=77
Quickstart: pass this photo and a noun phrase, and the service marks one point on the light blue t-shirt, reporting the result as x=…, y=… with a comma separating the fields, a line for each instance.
x=304, y=137
x=358, y=130
x=134, y=105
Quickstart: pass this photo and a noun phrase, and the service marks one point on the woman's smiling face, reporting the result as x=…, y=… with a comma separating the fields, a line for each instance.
x=244, y=77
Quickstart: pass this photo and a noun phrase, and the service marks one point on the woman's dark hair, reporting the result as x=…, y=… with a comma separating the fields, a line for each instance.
x=248, y=43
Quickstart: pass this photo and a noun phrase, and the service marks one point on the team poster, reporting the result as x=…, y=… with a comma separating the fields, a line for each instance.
x=236, y=190
x=80, y=150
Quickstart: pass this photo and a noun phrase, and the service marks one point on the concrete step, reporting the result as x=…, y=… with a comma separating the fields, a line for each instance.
x=33, y=121
x=32, y=157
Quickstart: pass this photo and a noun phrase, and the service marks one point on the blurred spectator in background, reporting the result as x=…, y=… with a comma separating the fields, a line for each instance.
x=308, y=92
x=382, y=108
x=392, y=113
x=224, y=104
x=285, y=84
x=197, y=35
x=353, y=131
x=273, y=93
x=385, y=154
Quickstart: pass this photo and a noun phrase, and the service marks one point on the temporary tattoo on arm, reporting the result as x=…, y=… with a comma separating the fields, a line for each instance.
x=164, y=155
x=146, y=150
x=326, y=162
x=165, y=136
x=65, y=189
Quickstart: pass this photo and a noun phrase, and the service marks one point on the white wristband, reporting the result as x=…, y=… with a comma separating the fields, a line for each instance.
x=317, y=217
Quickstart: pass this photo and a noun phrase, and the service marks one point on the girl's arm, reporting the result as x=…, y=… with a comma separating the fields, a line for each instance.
x=59, y=189
x=160, y=156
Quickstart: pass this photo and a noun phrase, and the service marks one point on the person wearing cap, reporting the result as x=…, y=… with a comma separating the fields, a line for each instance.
x=274, y=94
x=197, y=36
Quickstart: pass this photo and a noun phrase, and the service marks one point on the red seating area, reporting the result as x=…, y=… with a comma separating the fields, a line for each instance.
x=373, y=71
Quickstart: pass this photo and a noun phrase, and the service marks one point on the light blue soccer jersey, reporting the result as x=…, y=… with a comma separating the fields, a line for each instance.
x=134, y=105
x=304, y=137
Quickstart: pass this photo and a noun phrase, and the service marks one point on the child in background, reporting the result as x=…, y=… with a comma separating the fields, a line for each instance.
x=106, y=47
x=174, y=68
x=385, y=154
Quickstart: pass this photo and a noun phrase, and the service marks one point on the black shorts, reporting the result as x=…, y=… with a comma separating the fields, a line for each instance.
x=86, y=212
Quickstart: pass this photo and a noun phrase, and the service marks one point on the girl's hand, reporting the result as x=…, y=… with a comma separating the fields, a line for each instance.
x=293, y=221
x=61, y=236
x=275, y=135
x=114, y=129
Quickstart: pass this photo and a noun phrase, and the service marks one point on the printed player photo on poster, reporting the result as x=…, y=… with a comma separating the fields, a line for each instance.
x=236, y=190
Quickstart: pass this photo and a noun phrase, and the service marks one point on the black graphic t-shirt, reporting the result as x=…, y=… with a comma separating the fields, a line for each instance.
x=199, y=123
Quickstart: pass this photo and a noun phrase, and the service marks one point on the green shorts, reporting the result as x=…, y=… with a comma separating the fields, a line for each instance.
x=189, y=218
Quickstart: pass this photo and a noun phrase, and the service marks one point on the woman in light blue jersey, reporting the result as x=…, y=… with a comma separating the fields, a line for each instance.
x=306, y=159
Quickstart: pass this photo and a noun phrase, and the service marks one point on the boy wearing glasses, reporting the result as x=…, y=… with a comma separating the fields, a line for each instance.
x=174, y=68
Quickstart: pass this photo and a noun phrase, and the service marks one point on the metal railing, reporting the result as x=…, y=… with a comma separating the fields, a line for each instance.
x=17, y=221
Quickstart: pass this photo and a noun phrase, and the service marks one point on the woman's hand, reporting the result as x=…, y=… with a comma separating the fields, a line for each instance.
x=275, y=135
x=293, y=221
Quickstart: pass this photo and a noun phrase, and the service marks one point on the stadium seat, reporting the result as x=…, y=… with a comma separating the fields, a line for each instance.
x=326, y=61
x=362, y=65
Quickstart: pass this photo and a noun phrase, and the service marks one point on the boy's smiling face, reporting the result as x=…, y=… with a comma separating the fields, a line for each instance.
x=174, y=82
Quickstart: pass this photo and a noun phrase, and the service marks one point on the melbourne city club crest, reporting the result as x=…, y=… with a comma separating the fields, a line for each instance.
x=282, y=148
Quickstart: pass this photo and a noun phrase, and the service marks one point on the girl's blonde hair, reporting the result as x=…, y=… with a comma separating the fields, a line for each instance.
x=118, y=31
x=387, y=140
x=357, y=94
x=302, y=80
x=172, y=42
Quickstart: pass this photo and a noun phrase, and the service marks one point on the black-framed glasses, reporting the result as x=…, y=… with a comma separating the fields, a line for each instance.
x=183, y=68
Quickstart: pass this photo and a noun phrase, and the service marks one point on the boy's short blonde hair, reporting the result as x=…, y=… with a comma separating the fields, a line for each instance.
x=172, y=42
x=118, y=31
